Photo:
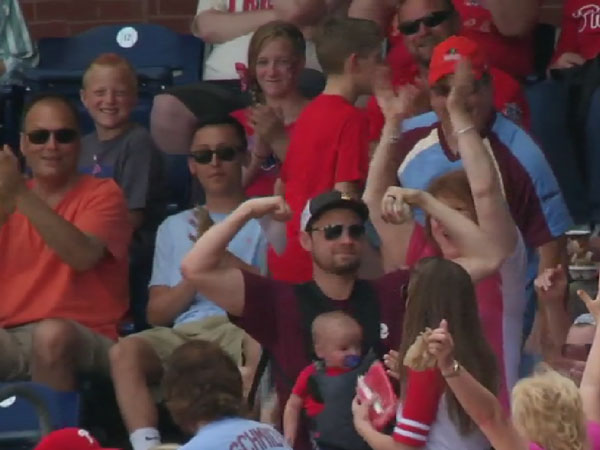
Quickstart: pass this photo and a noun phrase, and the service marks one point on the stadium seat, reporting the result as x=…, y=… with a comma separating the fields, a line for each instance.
x=29, y=411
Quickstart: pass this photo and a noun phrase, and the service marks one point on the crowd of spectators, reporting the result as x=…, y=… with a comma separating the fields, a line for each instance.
x=370, y=185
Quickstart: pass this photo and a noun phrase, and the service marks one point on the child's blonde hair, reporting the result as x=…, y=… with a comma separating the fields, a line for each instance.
x=548, y=410
x=114, y=61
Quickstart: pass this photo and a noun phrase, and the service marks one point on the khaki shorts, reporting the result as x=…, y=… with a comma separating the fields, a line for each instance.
x=217, y=329
x=16, y=351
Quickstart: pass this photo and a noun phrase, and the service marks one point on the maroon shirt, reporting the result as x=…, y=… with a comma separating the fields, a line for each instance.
x=272, y=317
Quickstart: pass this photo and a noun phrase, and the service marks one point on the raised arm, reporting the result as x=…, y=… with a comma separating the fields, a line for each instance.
x=590, y=383
x=379, y=11
x=480, y=257
x=382, y=171
x=479, y=403
x=215, y=26
x=203, y=264
x=493, y=216
x=514, y=18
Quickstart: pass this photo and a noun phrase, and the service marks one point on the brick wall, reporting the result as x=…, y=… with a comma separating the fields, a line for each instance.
x=48, y=18
x=57, y=18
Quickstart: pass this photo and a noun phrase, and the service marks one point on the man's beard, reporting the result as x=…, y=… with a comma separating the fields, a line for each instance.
x=349, y=268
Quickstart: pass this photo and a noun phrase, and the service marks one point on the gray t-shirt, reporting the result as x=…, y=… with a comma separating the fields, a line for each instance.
x=135, y=163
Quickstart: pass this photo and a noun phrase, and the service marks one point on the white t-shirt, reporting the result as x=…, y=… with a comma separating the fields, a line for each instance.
x=220, y=64
x=444, y=434
x=237, y=434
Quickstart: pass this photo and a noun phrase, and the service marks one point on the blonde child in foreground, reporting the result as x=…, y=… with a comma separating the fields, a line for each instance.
x=548, y=411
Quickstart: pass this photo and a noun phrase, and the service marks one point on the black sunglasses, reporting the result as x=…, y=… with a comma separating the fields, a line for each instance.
x=62, y=136
x=430, y=21
x=333, y=232
x=222, y=154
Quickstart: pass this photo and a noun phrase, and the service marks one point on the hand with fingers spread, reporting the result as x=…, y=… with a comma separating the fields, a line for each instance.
x=396, y=203
x=441, y=345
x=551, y=285
x=12, y=181
x=395, y=106
x=593, y=306
x=267, y=122
x=262, y=206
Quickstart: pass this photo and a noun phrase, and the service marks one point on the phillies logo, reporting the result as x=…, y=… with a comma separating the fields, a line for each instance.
x=590, y=15
x=249, y=5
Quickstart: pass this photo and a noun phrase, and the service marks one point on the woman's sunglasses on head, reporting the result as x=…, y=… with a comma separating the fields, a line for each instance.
x=222, y=154
x=430, y=20
x=62, y=135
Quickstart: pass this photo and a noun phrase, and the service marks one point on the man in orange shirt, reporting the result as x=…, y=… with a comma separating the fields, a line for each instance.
x=64, y=242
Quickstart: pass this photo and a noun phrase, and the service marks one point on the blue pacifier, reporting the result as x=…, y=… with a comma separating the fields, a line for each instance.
x=352, y=361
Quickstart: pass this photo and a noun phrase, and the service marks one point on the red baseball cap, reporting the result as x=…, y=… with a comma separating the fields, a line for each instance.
x=70, y=439
x=447, y=54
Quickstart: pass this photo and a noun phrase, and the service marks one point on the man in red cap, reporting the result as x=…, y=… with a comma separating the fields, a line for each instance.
x=430, y=149
x=423, y=24
x=504, y=28
x=70, y=439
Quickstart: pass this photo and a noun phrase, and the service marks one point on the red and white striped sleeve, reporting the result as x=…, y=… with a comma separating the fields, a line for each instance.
x=419, y=408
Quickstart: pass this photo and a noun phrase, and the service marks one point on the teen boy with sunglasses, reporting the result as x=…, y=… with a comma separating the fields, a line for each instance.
x=178, y=312
x=63, y=255
x=279, y=315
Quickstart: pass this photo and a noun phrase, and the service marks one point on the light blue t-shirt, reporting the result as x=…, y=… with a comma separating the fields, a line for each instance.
x=237, y=434
x=173, y=243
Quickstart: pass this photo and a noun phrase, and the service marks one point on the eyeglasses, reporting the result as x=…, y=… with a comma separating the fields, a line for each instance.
x=430, y=21
x=62, y=135
x=222, y=154
x=578, y=352
x=333, y=232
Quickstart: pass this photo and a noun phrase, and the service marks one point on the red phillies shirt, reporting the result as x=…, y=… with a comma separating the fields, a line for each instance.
x=329, y=145
x=513, y=55
x=264, y=183
x=580, y=31
x=311, y=406
x=509, y=98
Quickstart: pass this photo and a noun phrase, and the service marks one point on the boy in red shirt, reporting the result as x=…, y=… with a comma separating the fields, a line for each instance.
x=337, y=340
x=329, y=145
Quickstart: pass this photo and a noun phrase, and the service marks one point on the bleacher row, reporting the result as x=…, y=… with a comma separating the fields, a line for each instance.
x=162, y=58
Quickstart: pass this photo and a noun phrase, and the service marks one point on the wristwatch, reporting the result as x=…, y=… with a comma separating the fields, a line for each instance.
x=454, y=371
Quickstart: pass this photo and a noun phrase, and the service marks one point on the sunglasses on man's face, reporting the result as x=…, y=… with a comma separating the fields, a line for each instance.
x=333, y=232
x=222, y=154
x=578, y=352
x=430, y=20
x=62, y=136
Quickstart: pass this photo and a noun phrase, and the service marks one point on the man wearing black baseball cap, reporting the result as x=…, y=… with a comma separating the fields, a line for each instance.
x=279, y=315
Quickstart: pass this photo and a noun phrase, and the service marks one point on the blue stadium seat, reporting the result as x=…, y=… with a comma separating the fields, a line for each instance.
x=30, y=410
x=161, y=56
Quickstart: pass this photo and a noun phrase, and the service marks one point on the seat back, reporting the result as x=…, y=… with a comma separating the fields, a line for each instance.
x=30, y=410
